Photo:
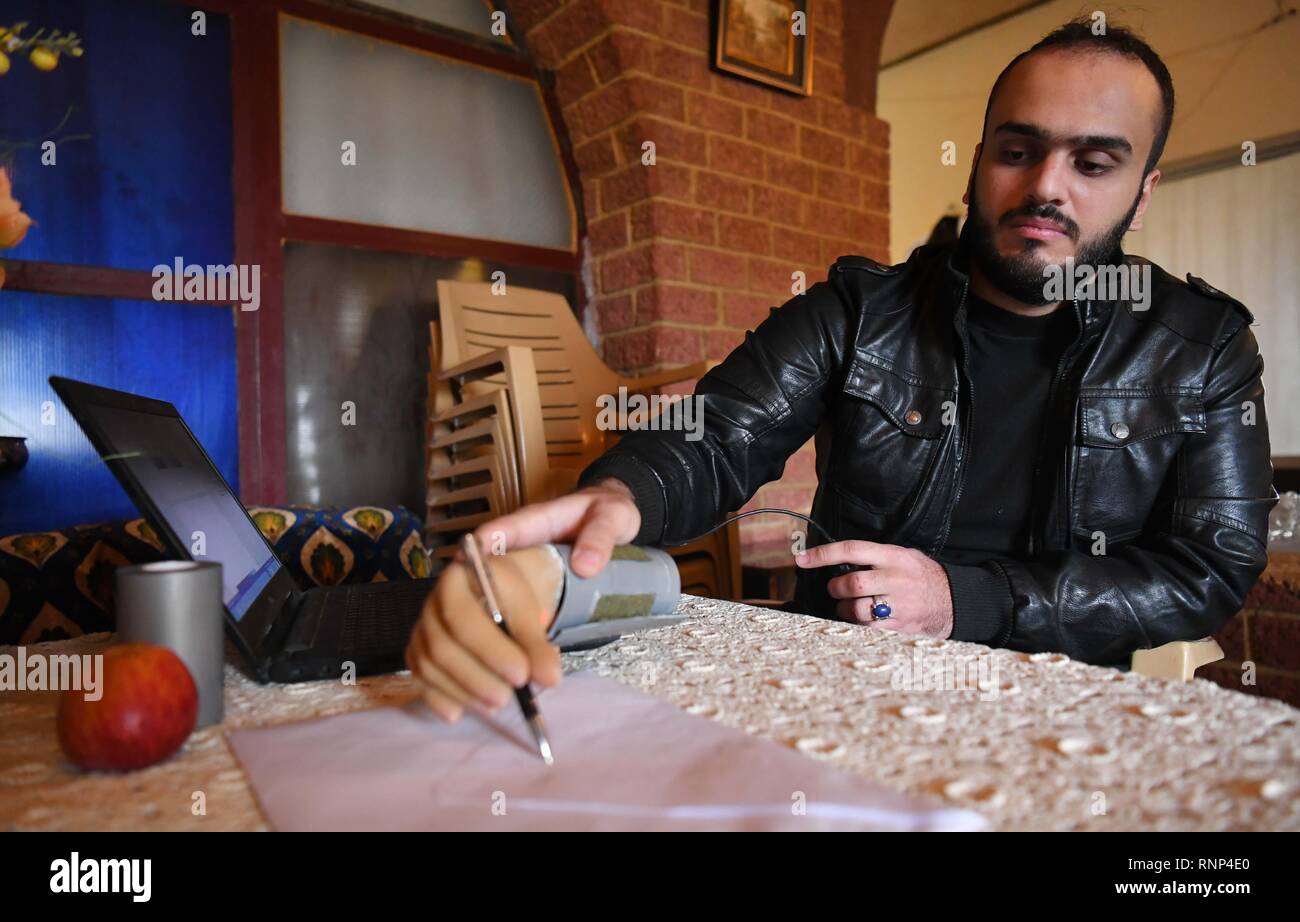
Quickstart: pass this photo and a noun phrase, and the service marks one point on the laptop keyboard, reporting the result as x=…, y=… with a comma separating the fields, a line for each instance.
x=380, y=616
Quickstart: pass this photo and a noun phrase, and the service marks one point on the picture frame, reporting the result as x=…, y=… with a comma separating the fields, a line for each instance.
x=761, y=40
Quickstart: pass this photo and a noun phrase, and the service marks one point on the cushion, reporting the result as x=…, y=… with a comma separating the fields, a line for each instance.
x=59, y=584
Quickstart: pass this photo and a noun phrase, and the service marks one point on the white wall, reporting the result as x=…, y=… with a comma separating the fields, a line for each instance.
x=1227, y=92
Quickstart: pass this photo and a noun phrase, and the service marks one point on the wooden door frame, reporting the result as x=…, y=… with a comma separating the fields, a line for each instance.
x=261, y=226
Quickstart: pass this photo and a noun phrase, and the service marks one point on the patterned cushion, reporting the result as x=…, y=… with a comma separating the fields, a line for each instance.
x=59, y=584
x=324, y=547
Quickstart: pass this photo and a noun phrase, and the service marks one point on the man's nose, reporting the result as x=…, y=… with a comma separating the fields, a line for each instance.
x=1047, y=181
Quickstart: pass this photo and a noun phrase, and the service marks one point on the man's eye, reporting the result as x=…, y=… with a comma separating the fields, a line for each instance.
x=1092, y=168
x=1013, y=155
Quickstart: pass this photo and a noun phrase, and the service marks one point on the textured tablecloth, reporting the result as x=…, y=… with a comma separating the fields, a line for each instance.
x=1042, y=743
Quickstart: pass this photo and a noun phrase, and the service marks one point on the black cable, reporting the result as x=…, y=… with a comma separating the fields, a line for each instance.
x=726, y=522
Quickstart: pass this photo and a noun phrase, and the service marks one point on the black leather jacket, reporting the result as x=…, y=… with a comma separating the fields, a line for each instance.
x=1161, y=412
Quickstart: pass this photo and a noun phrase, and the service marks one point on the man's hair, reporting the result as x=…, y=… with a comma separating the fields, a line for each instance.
x=1078, y=36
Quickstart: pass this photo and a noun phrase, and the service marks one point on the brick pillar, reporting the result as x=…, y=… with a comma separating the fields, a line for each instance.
x=748, y=186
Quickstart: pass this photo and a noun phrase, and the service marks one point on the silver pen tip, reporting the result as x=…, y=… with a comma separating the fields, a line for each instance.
x=543, y=744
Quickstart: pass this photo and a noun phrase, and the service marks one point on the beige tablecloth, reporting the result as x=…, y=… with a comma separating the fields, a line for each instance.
x=1032, y=742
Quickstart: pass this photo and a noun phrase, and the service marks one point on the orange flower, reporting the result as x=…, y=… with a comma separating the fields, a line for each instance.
x=13, y=222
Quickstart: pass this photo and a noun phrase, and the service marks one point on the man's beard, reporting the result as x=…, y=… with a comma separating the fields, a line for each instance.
x=1021, y=276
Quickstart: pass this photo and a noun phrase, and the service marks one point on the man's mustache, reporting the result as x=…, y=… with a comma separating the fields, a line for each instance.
x=1045, y=213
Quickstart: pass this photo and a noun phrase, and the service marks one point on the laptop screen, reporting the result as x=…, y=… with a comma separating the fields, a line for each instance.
x=172, y=469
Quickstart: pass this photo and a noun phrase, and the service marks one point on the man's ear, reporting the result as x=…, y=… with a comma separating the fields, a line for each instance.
x=970, y=179
x=1148, y=188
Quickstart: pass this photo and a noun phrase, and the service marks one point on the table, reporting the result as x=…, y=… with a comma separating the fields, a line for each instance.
x=1045, y=743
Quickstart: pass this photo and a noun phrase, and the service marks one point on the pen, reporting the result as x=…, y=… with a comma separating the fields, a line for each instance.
x=523, y=695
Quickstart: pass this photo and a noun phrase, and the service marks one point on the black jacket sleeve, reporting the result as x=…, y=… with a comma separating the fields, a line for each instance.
x=762, y=403
x=982, y=604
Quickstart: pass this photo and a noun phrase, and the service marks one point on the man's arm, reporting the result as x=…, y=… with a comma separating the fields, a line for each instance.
x=1182, y=579
x=759, y=406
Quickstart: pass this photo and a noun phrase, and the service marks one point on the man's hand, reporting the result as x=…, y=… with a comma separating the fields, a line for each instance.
x=914, y=585
x=593, y=519
x=463, y=659
x=466, y=661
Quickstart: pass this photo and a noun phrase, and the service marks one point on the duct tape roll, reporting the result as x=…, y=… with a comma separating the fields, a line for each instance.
x=177, y=604
x=637, y=581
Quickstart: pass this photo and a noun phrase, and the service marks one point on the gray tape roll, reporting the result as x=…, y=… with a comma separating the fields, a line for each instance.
x=177, y=604
x=637, y=581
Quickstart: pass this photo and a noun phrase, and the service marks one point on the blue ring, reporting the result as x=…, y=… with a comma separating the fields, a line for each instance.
x=881, y=611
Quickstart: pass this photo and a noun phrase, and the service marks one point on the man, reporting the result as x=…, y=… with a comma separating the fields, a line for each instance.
x=1087, y=474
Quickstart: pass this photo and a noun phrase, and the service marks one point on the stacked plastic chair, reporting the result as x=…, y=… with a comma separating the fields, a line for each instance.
x=512, y=418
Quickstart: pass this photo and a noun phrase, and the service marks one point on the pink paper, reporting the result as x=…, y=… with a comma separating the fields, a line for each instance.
x=623, y=761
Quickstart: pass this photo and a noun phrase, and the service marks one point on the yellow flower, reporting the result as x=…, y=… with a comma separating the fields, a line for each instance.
x=13, y=222
x=44, y=58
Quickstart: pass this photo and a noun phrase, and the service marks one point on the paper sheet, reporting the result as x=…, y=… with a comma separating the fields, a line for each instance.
x=623, y=761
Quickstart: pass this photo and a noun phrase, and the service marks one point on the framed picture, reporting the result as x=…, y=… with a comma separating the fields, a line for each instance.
x=765, y=40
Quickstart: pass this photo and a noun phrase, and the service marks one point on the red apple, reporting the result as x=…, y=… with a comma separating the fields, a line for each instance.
x=147, y=710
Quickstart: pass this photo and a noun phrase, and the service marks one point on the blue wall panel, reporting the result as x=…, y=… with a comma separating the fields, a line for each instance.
x=174, y=352
x=153, y=181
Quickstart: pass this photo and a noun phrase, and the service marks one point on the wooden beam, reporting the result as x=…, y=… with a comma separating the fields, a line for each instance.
x=86, y=282
x=425, y=243
x=259, y=335
x=425, y=38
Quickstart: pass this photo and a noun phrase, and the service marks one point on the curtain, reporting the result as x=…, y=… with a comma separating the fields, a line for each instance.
x=1239, y=229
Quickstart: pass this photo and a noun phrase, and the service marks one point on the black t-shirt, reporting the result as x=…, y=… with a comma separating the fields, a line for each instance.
x=1012, y=361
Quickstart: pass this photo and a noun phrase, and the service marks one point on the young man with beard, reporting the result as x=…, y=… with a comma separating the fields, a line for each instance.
x=1088, y=475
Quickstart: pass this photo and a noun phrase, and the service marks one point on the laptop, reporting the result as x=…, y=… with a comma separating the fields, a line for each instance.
x=284, y=632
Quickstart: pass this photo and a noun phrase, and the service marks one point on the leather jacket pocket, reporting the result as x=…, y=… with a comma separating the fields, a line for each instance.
x=895, y=430
x=1128, y=444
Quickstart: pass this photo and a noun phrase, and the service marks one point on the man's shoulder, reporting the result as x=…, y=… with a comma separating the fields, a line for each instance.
x=861, y=263
x=1193, y=308
x=875, y=287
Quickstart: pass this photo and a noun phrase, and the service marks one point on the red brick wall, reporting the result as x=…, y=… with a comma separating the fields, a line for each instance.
x=1265, y=635
x=749, y=184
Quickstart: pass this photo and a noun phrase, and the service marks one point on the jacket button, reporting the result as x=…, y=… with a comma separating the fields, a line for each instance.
x=912, y=417
x=1119, y=430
